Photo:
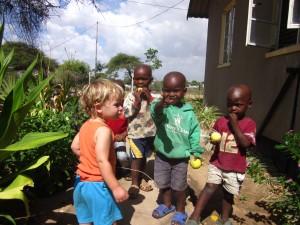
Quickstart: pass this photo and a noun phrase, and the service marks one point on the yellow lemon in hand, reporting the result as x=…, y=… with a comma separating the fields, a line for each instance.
x=214, y=218
x=195, y=163
x=215, y=137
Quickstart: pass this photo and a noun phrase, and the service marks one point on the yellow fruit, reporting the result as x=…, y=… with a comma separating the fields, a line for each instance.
x=214, y=218
x=139, y=89
x=215, y=137
x=195, y=163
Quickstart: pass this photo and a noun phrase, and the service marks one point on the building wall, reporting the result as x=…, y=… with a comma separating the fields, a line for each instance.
x=249, y=65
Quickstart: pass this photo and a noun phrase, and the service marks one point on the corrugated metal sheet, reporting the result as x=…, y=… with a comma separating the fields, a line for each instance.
x=198, y=9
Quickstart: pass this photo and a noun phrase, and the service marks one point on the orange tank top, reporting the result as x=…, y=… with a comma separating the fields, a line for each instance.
x=88, y=168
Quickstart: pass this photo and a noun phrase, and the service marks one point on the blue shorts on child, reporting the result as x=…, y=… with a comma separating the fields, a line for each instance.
x=94, y=202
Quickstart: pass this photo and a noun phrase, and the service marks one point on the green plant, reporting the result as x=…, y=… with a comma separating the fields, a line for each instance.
x=63, y=161
x=16, y=105
x=206, y=115
x=286, y=207
x=291, y=145
x=256, y=171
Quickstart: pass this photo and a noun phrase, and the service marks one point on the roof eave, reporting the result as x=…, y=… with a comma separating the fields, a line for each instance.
x=198, y=9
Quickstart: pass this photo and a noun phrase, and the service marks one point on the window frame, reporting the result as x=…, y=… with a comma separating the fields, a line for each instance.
x=273, y=32
x=226, y=46
x=293, y=22
x=272, y=39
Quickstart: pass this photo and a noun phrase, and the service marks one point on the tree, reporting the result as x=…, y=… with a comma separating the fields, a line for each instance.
x=100, y=67
x=24, y=56
x=26, y=17
x=157, y=85
x=152, y=58
x=122, y=61
x=74, y=71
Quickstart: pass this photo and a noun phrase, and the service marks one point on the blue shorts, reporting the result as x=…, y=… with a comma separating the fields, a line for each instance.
x=141, y=148
x=94, y=202
x=170, y=172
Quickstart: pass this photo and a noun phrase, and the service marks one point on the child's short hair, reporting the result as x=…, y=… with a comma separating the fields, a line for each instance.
x=100, y=91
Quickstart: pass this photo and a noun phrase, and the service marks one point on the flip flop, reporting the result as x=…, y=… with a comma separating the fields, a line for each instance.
x=179, y=218
x=133, y=192
x=144, y=186
x=162, y=210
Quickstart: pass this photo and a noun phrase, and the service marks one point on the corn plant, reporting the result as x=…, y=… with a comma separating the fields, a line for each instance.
x=16, y=105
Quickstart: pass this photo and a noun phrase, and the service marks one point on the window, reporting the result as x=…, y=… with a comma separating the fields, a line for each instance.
x=286, y=37
x=269, y=22
x=227, y=33
x=294, y=14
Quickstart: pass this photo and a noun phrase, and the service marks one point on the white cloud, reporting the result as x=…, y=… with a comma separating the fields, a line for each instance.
x=181, y=43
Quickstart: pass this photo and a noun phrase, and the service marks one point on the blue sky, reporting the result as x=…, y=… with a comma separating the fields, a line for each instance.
x=130, y=27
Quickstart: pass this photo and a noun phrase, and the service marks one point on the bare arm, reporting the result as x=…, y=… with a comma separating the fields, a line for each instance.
x=240, y=137
x=103, y=140
x=75, y=146
x=159, y=107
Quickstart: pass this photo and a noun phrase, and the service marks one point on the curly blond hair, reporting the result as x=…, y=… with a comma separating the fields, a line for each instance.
x=99, y=91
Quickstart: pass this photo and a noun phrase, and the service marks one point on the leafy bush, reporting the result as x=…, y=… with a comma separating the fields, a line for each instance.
x=205, y=114
x=256, y=171
x=286, y=209
x=63, y=161
x=291, y=145
x=284, y=205
x=16, y=104
x=287, y=206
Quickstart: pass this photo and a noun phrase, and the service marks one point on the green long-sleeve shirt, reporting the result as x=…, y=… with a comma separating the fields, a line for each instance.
x=178, y=132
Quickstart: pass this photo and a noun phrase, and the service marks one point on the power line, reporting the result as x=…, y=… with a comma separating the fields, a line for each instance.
x=162, y=6
x=168, y=8
x=124, y=26
x=71, y=38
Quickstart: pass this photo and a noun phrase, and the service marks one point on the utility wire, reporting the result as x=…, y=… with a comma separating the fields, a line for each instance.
x=162, y=6
x=168, y=8
x=71, y=38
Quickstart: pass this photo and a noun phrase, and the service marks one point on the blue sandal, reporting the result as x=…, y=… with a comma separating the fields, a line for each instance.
x=162, y=210
x=193, y=222
x=179, y=218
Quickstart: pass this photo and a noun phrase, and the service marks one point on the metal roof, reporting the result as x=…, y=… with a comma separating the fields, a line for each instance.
x=198, y=9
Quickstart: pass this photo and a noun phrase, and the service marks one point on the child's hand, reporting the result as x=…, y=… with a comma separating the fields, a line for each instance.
x=195, y=162
x=233, y=119
x=120, y=194
x=137, y=95
x=145, y=94
x=164, y=103
x=118, y=137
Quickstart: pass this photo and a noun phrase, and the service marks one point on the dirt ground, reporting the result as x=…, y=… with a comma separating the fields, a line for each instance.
x=248, y=208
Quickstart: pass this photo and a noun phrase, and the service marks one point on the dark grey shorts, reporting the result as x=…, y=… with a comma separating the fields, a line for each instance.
x=170, y=172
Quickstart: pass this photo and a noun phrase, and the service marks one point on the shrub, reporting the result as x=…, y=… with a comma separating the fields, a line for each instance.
x=63, y=161
x=284, y=204
x=16, y=104
x=287, y=207
x=205, y=114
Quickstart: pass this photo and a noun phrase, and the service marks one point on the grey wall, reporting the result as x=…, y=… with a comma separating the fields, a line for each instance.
x=265, y=76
